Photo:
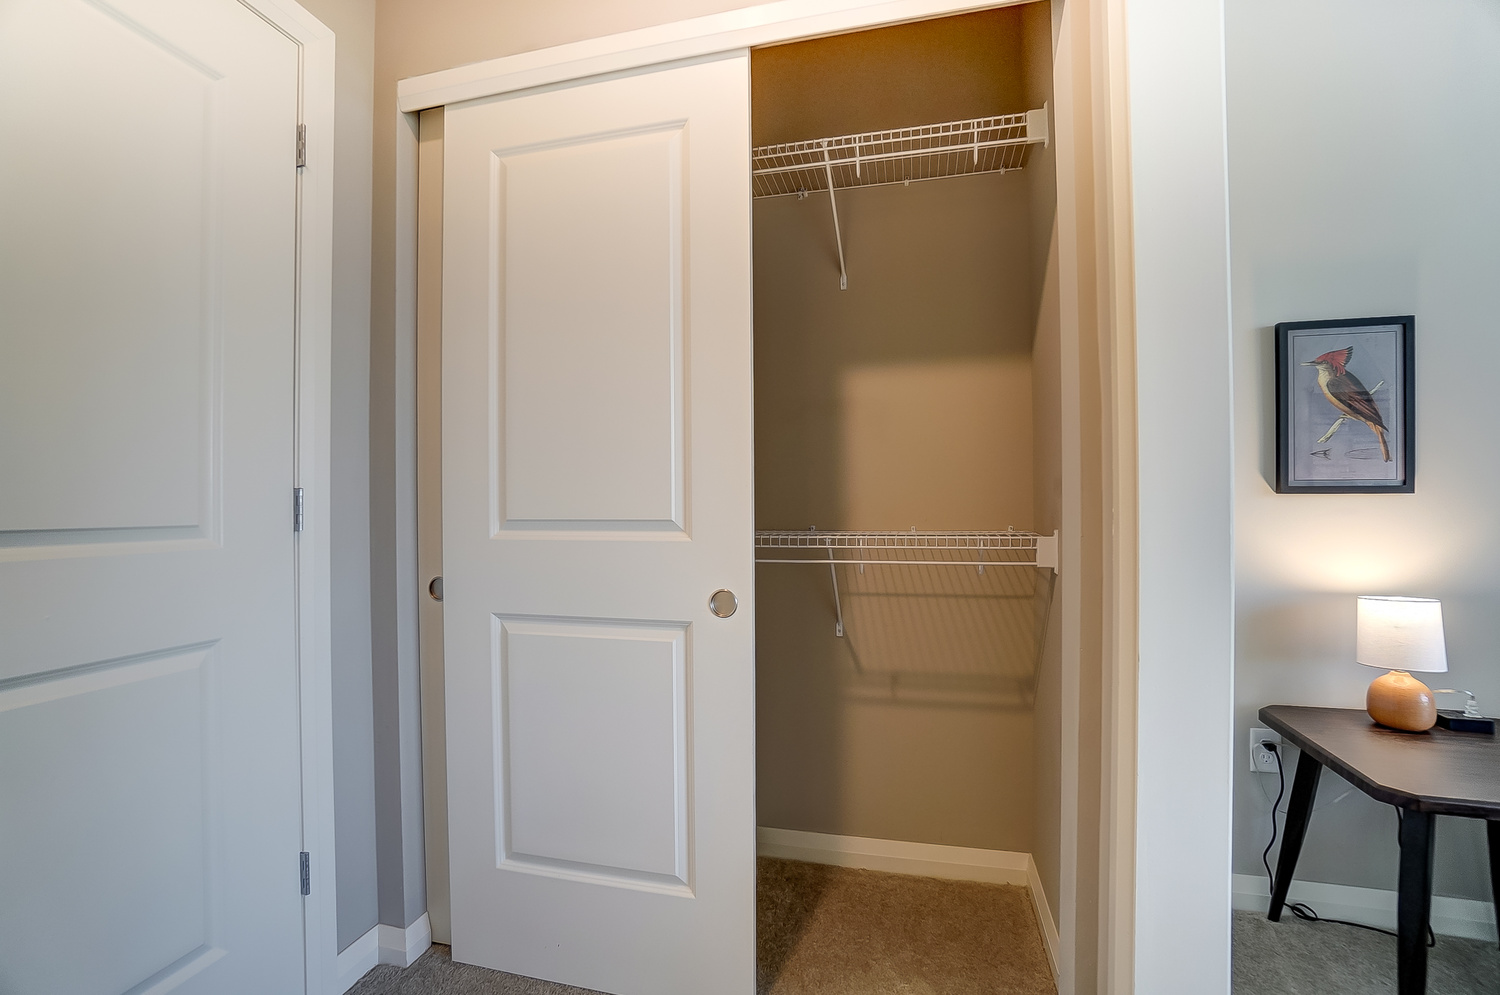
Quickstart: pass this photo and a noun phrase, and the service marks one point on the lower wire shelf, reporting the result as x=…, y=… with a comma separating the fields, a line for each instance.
x=928, y=549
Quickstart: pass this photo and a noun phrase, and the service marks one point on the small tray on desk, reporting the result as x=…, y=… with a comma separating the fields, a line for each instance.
x=1457, y=721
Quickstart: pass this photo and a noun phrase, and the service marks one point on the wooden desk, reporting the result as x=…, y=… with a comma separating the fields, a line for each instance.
x=1425, y=774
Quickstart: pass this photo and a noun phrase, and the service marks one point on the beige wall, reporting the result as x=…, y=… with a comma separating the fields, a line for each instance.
x=1037, y=48
x=1328, y=223
x=905, y=401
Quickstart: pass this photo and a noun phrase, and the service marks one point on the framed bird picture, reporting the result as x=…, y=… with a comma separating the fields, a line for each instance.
x=1344, y=411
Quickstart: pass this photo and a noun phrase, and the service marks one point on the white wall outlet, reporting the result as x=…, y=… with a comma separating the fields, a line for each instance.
x=1262, y=760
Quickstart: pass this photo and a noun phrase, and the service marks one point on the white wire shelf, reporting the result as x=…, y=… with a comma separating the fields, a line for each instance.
x=897, y=540
x=905, y=549
x=903, y=155
x=875, y=158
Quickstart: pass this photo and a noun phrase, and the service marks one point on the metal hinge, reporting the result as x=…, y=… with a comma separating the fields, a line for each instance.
x=301, y=145
x=306, y=860
x=297, y=519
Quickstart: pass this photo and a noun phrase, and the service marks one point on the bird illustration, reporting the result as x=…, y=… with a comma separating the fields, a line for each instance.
x=1348, y=395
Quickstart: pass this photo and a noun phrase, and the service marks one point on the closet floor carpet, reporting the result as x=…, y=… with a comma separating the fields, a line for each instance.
x=838, y=931
x=831, y=931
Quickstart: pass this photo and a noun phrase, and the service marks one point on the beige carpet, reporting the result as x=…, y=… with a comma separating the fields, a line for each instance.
x=831, y=931
x=1292, y=957
x=835, y=931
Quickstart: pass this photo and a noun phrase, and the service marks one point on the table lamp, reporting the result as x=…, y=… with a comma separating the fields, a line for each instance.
x=1401, y=635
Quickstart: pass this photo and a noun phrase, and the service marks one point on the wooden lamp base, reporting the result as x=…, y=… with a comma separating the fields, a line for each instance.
x=1400, y=701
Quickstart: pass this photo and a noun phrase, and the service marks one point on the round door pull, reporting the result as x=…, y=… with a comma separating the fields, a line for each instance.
x=723, y=603
x=435, y=589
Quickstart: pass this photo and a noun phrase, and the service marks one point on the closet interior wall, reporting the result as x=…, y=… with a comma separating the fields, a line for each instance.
x=925, y=395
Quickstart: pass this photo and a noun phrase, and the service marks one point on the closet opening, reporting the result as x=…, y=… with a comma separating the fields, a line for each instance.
x=908, y=425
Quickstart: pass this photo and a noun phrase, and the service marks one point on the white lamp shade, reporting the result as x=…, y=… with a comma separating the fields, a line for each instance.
x=1401, y=634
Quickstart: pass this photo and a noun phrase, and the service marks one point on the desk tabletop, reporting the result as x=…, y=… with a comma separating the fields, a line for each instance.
x=1449, y=773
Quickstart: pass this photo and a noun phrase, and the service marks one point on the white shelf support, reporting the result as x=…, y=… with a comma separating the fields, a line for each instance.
x=838, y=607
x=1046, y=551
x=838, y=237
x=1036, y=126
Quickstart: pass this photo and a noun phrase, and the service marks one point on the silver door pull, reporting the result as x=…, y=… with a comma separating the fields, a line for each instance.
x=435, y=589
x=723, y=603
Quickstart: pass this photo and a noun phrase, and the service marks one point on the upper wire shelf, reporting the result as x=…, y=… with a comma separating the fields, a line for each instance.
x=897, y=540
x=903, y=155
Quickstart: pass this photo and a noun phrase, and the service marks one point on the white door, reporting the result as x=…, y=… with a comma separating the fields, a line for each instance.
x=149, y=761
x=596, y=493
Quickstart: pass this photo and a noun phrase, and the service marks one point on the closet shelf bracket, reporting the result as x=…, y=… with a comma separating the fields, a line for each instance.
x=838, y=238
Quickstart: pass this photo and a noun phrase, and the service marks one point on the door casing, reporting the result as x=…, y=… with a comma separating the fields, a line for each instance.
x=1091, y=102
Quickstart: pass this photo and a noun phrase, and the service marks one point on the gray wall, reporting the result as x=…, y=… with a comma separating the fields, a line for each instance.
x=1363, y=139
x=353, y=23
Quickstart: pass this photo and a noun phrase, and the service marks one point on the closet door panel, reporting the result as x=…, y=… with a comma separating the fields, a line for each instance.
x=597, y=491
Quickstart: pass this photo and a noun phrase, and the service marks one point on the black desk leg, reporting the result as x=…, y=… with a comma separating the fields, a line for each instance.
x=1494, y=831
x=1298, y=814
x=1414, y=902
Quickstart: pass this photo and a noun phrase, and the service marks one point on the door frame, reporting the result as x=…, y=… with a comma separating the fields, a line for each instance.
x=312, y=469
x=1089, y=103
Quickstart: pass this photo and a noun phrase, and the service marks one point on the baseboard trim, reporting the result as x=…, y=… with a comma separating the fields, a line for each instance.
x=1462, y=917
x=356, y=960
x=1050, y=938
x=403, y=946
x=953, y=863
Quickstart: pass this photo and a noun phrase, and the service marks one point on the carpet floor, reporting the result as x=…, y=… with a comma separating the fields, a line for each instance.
x=837, y=931
x=831, y=931
x=1292, y=957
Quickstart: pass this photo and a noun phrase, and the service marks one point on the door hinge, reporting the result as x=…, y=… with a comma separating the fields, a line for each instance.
x=306, y=862
x=301, y=145
x=297, y=518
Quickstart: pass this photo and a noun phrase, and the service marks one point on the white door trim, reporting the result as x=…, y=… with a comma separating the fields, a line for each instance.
x=713, y=34
x=313, y=427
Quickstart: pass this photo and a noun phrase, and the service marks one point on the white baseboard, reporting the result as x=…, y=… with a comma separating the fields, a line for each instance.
x=1464, y=917
x=953, y=863
x=403, y=946
x=1043, y=914
x=355, y=961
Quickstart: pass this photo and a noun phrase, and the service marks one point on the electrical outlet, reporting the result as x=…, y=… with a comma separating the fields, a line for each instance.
x=1262, y=760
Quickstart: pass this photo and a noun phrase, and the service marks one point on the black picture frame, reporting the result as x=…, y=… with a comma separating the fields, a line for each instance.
x=1335, y=435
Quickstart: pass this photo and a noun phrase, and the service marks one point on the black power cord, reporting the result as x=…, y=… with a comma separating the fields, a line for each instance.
x=1302, y=910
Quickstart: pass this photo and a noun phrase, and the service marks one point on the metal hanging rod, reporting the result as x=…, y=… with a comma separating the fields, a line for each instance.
x=927, y=549
x=875, y=158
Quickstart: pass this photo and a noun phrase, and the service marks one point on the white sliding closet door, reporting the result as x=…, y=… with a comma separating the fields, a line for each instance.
x=596, y=493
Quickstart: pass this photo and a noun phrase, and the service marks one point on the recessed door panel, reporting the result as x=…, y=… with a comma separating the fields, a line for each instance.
x=591, y=331
x=107, y=273
x=593, y=750
x=128, y=808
